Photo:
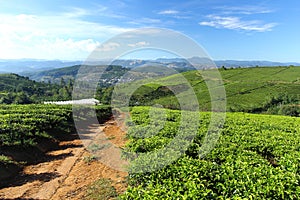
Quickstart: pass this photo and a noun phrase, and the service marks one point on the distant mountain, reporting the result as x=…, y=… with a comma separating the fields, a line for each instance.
x=176, y=63
x=130, y=63
x=236, y=63
x=29, y=65
x=203, y=62
x=206, y=62
x=168, y=60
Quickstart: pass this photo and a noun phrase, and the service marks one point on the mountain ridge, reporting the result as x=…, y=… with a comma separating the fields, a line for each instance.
x=34, y=65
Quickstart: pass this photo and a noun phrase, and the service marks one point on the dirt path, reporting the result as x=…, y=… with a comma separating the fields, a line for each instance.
x=70, y=173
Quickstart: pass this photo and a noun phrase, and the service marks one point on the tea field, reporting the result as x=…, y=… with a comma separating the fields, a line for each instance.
x=256, y=157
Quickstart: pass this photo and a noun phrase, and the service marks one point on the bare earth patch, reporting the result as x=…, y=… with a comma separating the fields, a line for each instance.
x=69, y=172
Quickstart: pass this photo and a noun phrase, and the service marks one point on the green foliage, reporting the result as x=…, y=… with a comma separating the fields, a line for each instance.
x=5, y=159
x=21, y=124
x=256, y=157
x=15, y=89
x=292, y=110
x=283, y=104
x=102, y=190
x=89, y=159
x=103, y=94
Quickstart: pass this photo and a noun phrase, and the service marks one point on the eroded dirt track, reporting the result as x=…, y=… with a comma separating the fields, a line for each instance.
x=68, y=172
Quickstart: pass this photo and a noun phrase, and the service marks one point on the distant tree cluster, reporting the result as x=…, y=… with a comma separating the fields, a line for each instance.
x=15, y=89
x=282, y=104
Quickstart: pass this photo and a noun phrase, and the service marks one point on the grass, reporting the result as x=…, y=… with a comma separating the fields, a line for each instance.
x=101, y=190
x=246, y=88
x=5, y=159
x=97, y=147
x=111, y=137
x=89, y=159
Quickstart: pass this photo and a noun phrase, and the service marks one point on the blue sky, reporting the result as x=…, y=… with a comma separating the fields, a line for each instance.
x=226, y=29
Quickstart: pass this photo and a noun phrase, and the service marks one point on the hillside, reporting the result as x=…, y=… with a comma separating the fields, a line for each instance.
x=259, y=89
x=111, y=73
x=54, y=75
x=273, y=90
x=22, y=90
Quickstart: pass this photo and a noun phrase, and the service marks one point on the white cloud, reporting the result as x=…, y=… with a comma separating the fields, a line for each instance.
x=168, y=12
x=108, y=46
x=235, y=23
x=23, y=18
x=77, y=12
x=59, y=48
x=175, y=14
x=60, y=44
x=51, y=37
x=146, y=32
x=246, y=10
x=67, y=47
x=139, y=44
x=99, y=10
x=145, y=20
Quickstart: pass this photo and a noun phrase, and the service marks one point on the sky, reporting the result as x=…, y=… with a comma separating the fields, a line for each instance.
x=225, y=29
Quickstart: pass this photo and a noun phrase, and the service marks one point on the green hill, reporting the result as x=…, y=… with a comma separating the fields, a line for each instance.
x=22, y=90
x=259, y=89
x=54, y=75
x=69, y=73
x=110, y=74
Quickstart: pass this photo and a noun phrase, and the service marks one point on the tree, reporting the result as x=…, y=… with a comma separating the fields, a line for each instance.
x=62, y=82
x=7, y=99
x=291, y=110
x=22, y=98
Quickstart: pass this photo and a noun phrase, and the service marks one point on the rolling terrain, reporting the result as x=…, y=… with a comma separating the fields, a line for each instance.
x=253, y=156
x=257, y=89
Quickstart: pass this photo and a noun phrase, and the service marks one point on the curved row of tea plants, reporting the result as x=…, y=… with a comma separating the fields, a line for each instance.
x=20, y=124
x=256, y=157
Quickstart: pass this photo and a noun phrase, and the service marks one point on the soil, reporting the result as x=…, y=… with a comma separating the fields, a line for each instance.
x=69, y=170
